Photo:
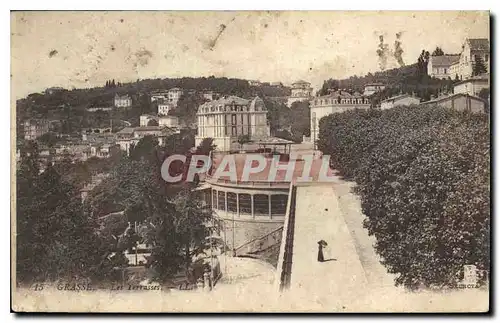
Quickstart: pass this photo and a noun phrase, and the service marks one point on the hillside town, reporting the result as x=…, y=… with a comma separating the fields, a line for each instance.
x=106, y=145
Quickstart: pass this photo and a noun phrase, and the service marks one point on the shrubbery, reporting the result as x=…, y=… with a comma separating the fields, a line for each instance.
x=423, y=176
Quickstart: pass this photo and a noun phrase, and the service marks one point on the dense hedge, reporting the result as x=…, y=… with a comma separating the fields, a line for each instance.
x=423, y=176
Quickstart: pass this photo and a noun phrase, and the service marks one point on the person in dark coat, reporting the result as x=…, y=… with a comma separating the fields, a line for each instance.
x=321, y=245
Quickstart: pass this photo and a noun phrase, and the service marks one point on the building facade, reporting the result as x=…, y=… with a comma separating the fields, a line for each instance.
x=164, y=108
x=372, y=88
x=460, y=102
x=443, y=66
x=171, y=96
x=335, y=102
x=174, y=95
x=301, y=91
x=226, y=119
x=404, y=99
x=129, y=136
x=123, y=101
x=473, y=49
x=168, y=121
x=144, y=119
x=472, y=86
x=34, y=128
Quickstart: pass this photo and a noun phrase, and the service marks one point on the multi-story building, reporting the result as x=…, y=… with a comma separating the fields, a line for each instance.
x=442, y=67
x=34, y=128
x=209, y=95
x=159, y=95
x=404, y=99
x=123, y=101
x=171, y=96
x=473, y=49
x=226, y=119
x=339, y=101
x=144, y=119
x=164, y=108
x=174, y=95
x=372, y=88
x=301, y=91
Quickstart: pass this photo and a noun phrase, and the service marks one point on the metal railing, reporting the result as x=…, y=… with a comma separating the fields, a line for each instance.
x=286, y=252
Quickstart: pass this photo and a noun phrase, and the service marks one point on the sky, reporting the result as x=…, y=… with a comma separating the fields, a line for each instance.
x=84, y=49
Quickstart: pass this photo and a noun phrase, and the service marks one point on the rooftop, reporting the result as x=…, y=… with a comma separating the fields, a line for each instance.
x=452, y=96
x=397, y=97
x=483, y=78
x=445, y=60
x=479, y=43
x=342, y=94
x=228, y=100
x=300, y=82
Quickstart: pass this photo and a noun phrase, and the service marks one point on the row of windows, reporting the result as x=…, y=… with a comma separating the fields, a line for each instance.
x=342, y=101
x=228, y=108
x=244, y=203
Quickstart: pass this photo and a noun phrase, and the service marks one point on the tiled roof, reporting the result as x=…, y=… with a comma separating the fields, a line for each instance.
x=397, y=97
x=479, y=43
x=300, y=82
x=228, y=100
x=444, y=60
x=126, y=130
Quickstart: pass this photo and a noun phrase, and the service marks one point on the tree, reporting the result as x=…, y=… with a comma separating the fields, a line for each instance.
x=55, y=238
x=423, y=175
x=243, y=139
x=152, y=122
x=479, y=66
x=206, y=146
x=301, y=116
x=49, y=139
x=423, y=61
x=145, y=148
x=438, y=52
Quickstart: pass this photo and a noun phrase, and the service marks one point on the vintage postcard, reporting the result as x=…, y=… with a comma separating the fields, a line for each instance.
x=250, y=161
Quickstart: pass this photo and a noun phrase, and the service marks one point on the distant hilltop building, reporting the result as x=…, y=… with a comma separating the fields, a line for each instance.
x=123, y=101
x=254, y=83
x=335, y=102
x=461, y=66
x=52, y=90
x=34, y=128
x=167, y=96
x=301, y=91
x=226, y=119
x=373, y=88
x=210, y=95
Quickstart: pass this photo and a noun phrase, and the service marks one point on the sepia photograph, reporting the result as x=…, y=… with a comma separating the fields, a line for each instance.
x=250, y=161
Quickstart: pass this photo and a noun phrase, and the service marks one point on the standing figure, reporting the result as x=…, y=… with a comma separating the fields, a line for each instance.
x=321, y=245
